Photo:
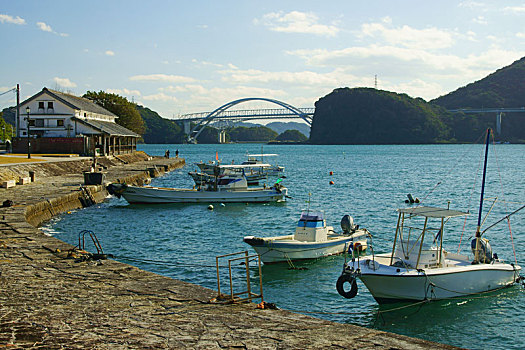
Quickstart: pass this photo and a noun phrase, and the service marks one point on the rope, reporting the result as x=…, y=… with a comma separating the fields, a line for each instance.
x=167, y=263
x=471, y=192
x=460, y=159
x=503, y=196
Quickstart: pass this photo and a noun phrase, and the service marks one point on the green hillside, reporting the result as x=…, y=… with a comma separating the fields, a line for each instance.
x=503, y=88
x=370, y=116
x=158, y=129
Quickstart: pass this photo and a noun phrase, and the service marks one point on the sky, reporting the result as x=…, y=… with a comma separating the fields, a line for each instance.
x=177, y=57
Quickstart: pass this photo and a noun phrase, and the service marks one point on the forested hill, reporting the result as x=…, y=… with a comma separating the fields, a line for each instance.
x=370, y=116
x=503, y=88
x=158, y=129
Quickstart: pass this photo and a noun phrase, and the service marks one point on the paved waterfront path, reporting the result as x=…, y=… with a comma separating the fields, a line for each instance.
x=48, y=301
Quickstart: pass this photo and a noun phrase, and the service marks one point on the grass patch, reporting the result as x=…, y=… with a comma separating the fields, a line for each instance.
x=11, y=160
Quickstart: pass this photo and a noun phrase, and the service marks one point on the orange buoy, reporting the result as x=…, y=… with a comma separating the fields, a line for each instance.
x=331, y=173
x=331, y=182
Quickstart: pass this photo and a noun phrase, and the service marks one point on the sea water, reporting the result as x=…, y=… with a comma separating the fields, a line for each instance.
x=369, y=183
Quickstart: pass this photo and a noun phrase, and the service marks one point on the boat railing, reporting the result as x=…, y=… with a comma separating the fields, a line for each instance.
x=236, y=297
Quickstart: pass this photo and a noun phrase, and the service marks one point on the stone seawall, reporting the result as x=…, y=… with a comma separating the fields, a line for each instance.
x=50, y=299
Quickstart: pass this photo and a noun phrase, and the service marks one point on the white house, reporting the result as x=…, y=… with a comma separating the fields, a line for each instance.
x=64, y=123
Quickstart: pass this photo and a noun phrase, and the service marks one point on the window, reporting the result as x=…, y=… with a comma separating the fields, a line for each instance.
x=41, y=105
x=39, y=123
x=50, y=105
x=31, y=122
x=60, y=122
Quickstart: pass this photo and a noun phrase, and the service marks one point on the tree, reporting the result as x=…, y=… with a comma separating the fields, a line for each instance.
x=6, y=129
x=158, y=129
x=127, y=114
x=292, y=135
x=260, y=133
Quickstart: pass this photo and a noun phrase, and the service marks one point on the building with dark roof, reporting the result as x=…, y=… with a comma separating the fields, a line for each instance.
x=64, y=123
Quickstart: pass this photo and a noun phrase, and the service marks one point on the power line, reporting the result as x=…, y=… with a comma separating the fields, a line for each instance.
x=8, y=91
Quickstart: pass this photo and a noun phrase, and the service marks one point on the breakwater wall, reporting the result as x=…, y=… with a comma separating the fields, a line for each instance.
x=51, y=174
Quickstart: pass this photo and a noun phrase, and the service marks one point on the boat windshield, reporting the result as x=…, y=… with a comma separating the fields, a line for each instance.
x=311, y=216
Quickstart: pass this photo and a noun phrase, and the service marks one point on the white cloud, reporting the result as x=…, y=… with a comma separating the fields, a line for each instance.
x=297, y=22
x=177, y=79
x=515, y=9
x=472, y=4
x=429, y=38
x=334, y=78
x=160, y=97
x=520, y=35
x=202, y=26
x=206, y=63
x=44, y=27
x=109, y=53
x=406, y=66
x=64, y=82
x=47, y=28
x=124, y=92
x=11, y=19
x=480, y=20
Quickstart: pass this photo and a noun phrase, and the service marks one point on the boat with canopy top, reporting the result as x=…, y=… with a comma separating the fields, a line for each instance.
x=419, y=268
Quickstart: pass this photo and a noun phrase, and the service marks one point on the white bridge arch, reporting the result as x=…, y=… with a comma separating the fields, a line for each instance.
x=199, y=127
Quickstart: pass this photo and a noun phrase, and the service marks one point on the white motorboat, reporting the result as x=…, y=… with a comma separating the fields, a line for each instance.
x=312, y=239
x=225, y=189
x=419, y=268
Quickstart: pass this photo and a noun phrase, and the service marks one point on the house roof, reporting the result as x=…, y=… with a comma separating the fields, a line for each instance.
x=109, y=128
x=73, y=101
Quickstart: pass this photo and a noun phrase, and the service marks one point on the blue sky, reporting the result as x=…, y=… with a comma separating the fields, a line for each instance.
x=178, y=57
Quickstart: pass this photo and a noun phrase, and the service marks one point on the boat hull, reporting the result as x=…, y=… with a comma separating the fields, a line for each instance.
x=273, y=252
x=134, y=194
x=391, y=284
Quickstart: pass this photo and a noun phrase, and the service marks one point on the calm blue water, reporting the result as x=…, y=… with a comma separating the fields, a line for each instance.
x=370, y=183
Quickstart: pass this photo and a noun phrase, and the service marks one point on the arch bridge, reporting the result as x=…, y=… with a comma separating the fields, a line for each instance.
x=204, y=119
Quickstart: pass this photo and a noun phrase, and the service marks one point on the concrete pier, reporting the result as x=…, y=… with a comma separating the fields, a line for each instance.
x=49, y=301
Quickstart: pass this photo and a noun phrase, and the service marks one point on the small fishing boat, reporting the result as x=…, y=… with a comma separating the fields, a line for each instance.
x=419, y=268
x=225, y=189
x=312, y=239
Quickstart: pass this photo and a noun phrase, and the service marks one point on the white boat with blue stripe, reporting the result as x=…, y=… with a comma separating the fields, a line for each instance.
x=312, y=239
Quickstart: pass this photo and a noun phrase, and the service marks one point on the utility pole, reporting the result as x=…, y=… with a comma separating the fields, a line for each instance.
x=17, y=110
x=375, y=82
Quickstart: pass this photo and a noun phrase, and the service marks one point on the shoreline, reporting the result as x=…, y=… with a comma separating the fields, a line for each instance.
x=52, y=301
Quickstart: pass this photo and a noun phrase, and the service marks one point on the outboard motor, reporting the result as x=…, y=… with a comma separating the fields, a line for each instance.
x=347, y=224
x=116, y=189
x=485, y=250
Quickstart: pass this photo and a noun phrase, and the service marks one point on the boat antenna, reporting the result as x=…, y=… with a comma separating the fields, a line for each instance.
x=308, y=208
x=478, y=229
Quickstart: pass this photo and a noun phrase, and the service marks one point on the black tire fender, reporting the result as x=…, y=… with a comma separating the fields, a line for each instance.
x=340, y=286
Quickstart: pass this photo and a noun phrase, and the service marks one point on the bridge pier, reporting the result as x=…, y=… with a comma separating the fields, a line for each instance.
x=222, y=136
x=187, y=127
x=498, y=123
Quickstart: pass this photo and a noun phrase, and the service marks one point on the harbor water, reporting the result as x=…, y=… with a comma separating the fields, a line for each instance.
x=369, y=183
